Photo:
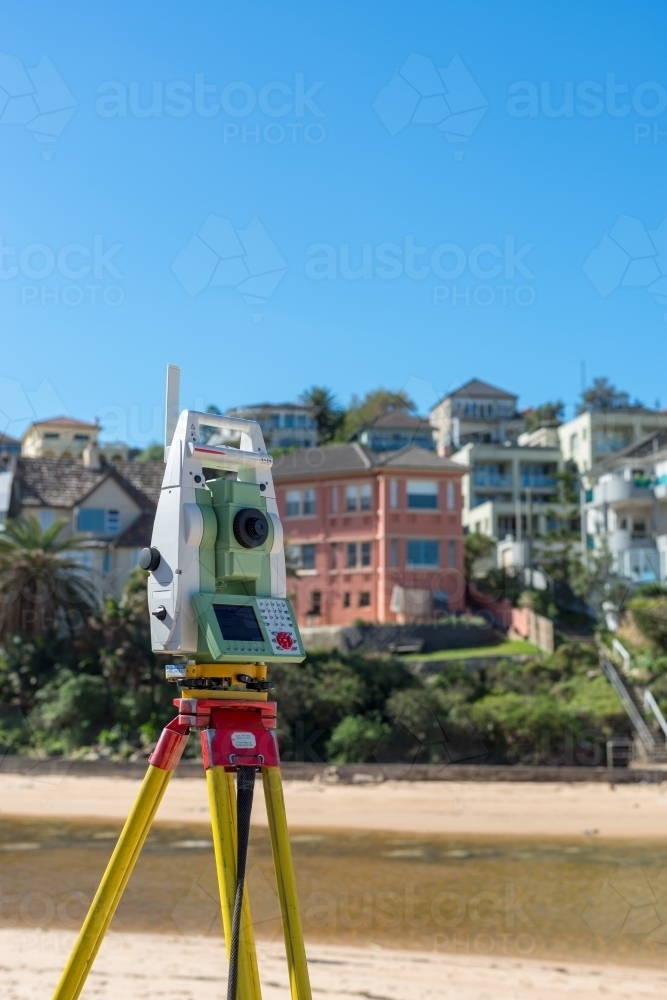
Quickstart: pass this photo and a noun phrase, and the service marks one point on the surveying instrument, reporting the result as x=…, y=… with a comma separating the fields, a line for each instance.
x=218, y=606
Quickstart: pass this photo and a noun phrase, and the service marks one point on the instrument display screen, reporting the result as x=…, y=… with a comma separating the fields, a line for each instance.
x=238, y=623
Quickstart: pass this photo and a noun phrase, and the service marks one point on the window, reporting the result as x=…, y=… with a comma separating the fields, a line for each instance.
x=423, y=552
x=451, y=496
x=573, y=443
x=307, y=557
x=106, y=563
x=346, y=599
x=275, y=420
x=82, y=437
x=422, y=495
x=302, y=556
x=351, y=560
x=289, y=420
x=393, y=493
x=308, y=502
x=359, y=497
x=365, y=496
x=46, y=519
x=300, y=503
x=51, y=435
x=393, y=552
x=365, y=553
x=333, y=555
x=334, y=499
x=451, y=553
x=91, y=519
x=364, y=599
x=315, y=603
x=112, y=526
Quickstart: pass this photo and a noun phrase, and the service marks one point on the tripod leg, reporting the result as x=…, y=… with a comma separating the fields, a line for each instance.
x=222, y=802
x=289, y=904
x=113, y=882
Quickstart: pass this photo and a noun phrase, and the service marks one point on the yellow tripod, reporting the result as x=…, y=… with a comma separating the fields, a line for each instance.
x=237, y=735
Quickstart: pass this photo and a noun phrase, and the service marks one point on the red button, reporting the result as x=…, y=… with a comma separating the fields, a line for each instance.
x=284, y=640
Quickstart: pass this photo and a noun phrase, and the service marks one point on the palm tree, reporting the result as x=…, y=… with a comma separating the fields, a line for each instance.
x=41, y=581
x=328, y=415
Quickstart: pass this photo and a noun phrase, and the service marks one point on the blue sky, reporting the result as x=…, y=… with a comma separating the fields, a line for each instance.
x=220, y=228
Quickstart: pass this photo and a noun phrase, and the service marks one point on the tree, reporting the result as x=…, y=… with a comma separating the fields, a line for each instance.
x=476, y=546
x=603, y=396
x=153, y=452
x=373, y=405
x=546, y=414
x=328, y=414
x=43, y=587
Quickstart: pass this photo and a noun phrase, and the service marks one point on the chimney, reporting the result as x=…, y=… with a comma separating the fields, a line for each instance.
x=91, y=456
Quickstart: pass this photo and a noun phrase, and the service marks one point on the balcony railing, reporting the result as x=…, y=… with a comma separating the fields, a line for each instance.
x=481, y=478
x=537, y=481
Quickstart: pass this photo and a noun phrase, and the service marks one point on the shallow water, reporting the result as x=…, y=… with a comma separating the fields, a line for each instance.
x=582, y=899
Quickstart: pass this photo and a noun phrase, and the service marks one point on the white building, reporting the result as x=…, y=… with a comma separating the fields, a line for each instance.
x=476, y=413
x=284, y=425
x=593, y=437
x=507, y=482
x=65, y=437
x=626, y=508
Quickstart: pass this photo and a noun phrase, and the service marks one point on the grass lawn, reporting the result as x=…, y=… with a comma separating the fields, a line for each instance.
x=512, y=647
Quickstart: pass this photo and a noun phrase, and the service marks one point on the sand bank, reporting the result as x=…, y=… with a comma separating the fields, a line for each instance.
x=531, y=809
x=150, y=967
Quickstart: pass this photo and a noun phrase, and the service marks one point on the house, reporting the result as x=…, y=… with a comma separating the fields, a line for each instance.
x=284, y=425
x=111, y=505
x=626, y=509
x=370, y=535
x=9, y=445
x=65, y=437
x=394, y=430
x=476, y=413
x=592, y=437
x=502, y=482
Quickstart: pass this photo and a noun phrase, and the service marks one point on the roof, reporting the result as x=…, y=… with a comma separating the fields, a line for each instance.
x=64, y=422
x=59, y=482
x=476, y=388
x=342, y=459
x=7, y=439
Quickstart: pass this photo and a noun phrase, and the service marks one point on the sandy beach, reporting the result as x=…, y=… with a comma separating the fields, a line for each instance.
x=148, y=967
x=142, y=966
x=632, y=812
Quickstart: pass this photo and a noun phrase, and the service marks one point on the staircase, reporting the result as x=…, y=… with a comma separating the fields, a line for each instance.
x=650, y=744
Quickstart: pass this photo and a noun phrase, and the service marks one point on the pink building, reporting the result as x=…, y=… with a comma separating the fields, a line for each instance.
x=372, y=536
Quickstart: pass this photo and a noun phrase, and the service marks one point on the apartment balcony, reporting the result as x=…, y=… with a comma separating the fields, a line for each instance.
x=641, y=564
x=622, y=491
x=538, y=481
x=623, y=540
x=480, y=478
